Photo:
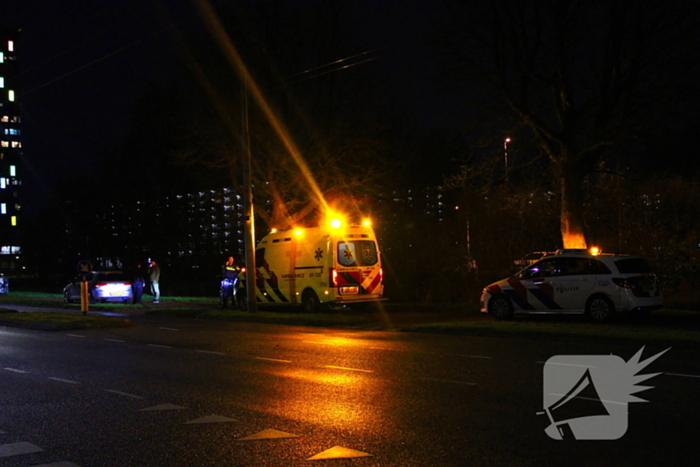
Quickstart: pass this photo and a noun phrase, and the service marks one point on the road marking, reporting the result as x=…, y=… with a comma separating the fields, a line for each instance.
x=346, y=368
x=162, y=407
x=75, y=335
x=64, y=380
x=113, y=340
x=15, y=370
x=210, y=352
x=565, y=364
x=273, y=360
x=211, y=419
x=114, y=391
x=16, y=449
x=169, y=329
x=670, y=374
x=338, y=452
x=269, y=434
x=161, y=346
x=58, y=464
x=448, y=381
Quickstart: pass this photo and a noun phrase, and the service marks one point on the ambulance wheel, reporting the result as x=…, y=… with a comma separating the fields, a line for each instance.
x=600, y=308
x=501, y=308
x=309, y=301
x=241, y=299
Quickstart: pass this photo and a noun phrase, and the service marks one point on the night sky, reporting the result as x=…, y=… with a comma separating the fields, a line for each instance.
x=83, y=64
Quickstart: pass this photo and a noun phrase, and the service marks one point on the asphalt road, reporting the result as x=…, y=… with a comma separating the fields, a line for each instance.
x=193, y=393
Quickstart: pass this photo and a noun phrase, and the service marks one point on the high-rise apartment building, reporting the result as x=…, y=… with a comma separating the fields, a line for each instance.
x=10, y=150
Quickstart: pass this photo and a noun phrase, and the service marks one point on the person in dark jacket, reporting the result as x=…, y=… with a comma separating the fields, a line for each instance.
x=229, y=271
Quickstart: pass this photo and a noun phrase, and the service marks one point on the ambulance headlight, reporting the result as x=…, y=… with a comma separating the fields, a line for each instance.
x=336, y=223
x=367, y=222
x=298, y=232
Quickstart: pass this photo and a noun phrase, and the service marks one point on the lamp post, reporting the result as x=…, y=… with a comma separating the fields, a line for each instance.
x=505, y=152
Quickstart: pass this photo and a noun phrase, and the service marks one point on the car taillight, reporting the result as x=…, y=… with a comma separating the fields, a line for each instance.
x=333, y=277
x=381, y=275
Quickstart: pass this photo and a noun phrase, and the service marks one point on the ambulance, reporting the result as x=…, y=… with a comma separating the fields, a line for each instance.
x=317, y=267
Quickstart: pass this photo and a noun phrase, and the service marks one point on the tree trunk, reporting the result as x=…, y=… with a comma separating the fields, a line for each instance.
x=572, y=229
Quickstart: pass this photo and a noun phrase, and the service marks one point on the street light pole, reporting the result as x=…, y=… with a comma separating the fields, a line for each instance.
x=505, y=151
x=251, y=271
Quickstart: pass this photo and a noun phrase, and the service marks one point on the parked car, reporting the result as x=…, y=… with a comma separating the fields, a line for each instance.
x=4, y=284
x=576, y=282
x=103, y=286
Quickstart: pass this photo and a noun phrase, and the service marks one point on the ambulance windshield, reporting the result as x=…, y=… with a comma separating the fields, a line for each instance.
x=357, y=253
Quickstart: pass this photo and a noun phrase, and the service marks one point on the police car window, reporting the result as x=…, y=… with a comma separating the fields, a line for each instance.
x=545, y=268
x=573, y=266
x=597, y=267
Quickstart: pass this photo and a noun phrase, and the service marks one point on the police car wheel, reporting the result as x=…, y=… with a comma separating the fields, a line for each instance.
x=66, y=297
x=501, y=308
x=600, y=308
x=309, y=301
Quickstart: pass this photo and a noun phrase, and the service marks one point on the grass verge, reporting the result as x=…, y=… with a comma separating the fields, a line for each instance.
x=56, y=321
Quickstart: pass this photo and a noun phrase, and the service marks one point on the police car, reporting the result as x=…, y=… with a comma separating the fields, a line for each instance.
x=576, y=282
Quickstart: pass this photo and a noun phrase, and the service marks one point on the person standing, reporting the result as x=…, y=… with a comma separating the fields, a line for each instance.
x=138, y=282
x=229, y=271
x=154, y=278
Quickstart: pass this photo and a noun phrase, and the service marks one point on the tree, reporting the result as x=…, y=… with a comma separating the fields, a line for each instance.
x=587, y=79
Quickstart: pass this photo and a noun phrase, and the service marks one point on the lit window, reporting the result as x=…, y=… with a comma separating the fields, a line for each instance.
x=2, y=82
x=5, y=144
x=5, y=119
x=11, y=46
x=3, y=208
x=11, y=95
x=3, y=183
x=14, y=221
x=2, y=57
x=13, y=171
x=16, y=144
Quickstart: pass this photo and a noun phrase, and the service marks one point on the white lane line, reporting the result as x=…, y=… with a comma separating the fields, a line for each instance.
x=273, y=360
x=16, y=449
x=114, y=340
x=210, y=352
x=349, y=369
x=64, y=380
x=15, y=370
x=161, y=346
x=126, y=394
x=58, y=464
x=75, y=335
x=670, y=374
x=448, y=381
x=169, y=329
